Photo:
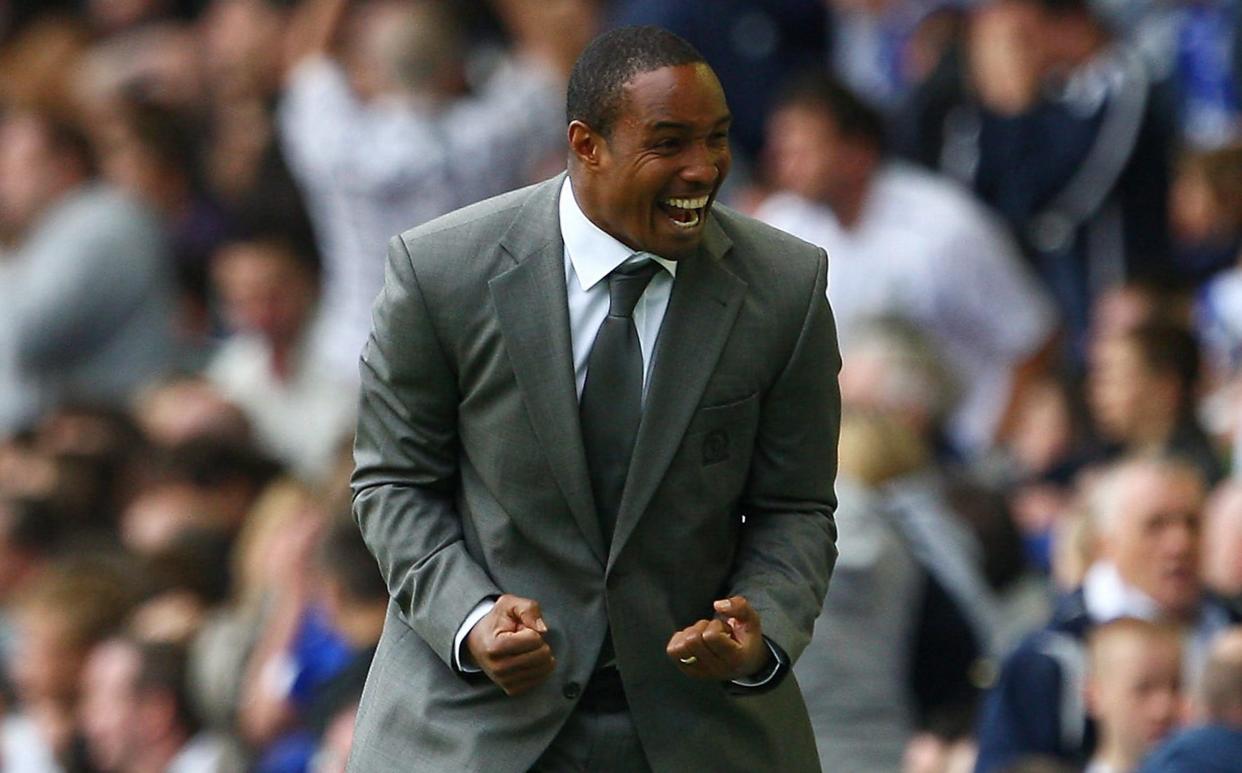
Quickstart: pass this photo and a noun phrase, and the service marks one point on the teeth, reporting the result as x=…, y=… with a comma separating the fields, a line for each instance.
x=698, y=203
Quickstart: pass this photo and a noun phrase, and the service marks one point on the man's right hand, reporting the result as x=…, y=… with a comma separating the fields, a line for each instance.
x=508, y=645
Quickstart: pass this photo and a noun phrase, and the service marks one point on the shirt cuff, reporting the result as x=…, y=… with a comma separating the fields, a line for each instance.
x=459, y=654
x=764, y=677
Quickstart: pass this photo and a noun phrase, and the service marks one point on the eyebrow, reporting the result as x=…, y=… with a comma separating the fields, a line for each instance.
x=679, y=125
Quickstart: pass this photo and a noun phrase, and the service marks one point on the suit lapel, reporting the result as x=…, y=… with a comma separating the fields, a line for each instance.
x=705, y=300
x=533, y=313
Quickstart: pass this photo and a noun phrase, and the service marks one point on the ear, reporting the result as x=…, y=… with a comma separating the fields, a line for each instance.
x=586, y=144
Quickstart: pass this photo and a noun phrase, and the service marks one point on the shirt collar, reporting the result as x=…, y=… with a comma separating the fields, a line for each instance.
x=1107, y=596
x=593, y=253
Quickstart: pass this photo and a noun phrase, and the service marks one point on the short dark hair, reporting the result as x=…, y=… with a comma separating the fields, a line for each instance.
x=855, y=119
x=596, y=84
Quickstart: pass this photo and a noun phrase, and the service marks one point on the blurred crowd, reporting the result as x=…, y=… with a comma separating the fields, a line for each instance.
x=1033, y=211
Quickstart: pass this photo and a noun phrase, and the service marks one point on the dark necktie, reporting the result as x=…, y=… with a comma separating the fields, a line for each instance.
x=611, y=404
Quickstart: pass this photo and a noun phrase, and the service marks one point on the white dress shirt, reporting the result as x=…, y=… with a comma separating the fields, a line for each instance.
x=590, y=256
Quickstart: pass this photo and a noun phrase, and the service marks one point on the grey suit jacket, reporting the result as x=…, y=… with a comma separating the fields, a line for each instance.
x=471, y=481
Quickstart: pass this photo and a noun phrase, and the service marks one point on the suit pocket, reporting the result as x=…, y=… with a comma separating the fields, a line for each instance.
x=720, y=440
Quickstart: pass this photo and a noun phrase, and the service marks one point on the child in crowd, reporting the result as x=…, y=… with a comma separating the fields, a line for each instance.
x=1133, y=690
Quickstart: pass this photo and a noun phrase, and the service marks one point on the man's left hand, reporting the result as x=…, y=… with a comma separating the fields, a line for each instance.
x=729, y=646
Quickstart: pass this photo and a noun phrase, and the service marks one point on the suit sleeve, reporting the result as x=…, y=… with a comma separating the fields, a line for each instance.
x=406, y=455
x=788, y=542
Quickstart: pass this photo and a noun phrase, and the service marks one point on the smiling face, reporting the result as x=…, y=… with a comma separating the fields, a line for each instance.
x=652, y=180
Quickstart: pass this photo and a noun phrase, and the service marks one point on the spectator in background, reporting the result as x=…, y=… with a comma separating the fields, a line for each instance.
x=1035, y=465
x=137, y=717
x=1205, y=211
x=1133, y=690
x=907, y=539
x=1070, y=142
x=262, y=576
x=1215, y=744
x=203, y=484
x=242, y=47
x=299, y=403
x=182, y=408
x=389, y=136
x=1192, y=45
x=333, y=754
x=909, y=244
x=355, y=603
x=150, y=152
x=1146, y=516
x=89, y=298
x=1222, y=543
x=862, y=707
x=27, y=539
x=59, y=618
x=1142, y=387
x=873, y=42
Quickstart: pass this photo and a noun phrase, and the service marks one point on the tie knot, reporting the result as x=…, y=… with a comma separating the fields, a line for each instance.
x=626, y=284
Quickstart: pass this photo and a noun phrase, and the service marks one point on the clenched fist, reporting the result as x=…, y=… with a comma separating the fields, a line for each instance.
x=508, y=645
x=729, y=646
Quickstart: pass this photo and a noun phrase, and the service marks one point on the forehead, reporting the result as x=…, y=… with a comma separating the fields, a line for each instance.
x=684, y=94
x=1155, y=492
x=113, y=662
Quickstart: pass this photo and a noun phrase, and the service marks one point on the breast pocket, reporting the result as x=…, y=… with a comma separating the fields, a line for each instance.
x=725, y=431
x=715, y=453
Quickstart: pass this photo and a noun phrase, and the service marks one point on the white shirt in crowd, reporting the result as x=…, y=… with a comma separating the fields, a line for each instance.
x=924, y=250
x=301, y=420
x=370, y=170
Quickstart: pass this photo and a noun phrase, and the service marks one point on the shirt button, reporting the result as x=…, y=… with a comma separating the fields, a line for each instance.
x=572, y=690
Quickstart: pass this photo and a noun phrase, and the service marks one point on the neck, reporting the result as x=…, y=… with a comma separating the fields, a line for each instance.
x=849, y=203
x=155, y=757
x=1154, y=431
x=284, y=354
x=1117, y=758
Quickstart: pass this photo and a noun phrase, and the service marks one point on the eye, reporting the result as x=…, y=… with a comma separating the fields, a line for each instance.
x=668, y=145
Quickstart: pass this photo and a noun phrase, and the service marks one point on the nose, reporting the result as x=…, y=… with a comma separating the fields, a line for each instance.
x=703, y=165
x=1181, y=538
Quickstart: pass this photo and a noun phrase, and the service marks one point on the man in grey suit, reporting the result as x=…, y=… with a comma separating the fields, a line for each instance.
x=595, y=456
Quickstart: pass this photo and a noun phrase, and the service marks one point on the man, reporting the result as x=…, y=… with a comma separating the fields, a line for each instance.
x=1146, y=515
x=909, y=244
x=1069, y=140
x=1215, y=744
x=629, y=535
x=1142, y=386
x=136, y=714
x=86, y=308
x=300, y=405
x=386, y=136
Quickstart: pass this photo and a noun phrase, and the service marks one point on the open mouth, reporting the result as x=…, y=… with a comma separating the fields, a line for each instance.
x=685, y=213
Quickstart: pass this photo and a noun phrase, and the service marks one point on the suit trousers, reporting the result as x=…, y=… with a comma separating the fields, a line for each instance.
x=595, y=741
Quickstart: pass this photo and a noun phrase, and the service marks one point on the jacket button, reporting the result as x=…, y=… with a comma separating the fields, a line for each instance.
x=572, y=690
